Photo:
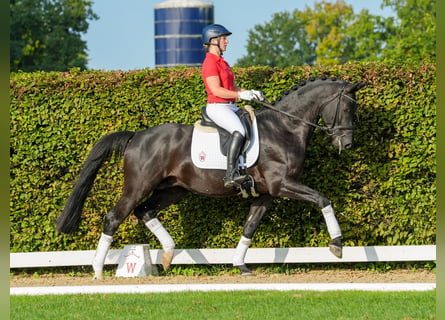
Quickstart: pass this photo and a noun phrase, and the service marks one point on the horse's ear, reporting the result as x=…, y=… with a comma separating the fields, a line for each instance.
x=355, y=86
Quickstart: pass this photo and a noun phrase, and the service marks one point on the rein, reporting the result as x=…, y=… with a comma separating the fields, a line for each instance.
x=329, y=130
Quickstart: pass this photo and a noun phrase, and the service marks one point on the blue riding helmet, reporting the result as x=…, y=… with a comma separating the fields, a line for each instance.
x=213, y=31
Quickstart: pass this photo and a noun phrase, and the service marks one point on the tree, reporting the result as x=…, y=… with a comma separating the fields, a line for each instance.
x=414, y=31
x=46, y=34
x=331, y=33
x=325, y=26
x=340, y=35
x=279, y=43
x=367, y=37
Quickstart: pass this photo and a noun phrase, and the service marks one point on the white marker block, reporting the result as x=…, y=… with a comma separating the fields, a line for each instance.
x=135, y=261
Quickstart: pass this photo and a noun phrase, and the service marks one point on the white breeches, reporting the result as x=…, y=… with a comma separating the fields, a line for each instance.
x=224, y=116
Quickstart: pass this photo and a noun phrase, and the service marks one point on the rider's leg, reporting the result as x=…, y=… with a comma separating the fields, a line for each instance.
x=232, y=174
x=224, y=116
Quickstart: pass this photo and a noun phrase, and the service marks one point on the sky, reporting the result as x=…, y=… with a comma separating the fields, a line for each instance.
x=123, y=36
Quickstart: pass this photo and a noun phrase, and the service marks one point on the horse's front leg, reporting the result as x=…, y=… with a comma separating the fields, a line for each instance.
x=294, y=190
x=257, y=210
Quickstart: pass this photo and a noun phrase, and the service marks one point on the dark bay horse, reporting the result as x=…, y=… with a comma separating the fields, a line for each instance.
x=158, y=170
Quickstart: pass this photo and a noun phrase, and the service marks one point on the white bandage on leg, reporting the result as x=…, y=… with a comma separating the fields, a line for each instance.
x=101, y=252
x=331, y=222
x=155, y=226
x=241, y=250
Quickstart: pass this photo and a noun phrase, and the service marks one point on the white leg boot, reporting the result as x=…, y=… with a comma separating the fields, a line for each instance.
x=331, y=222
x=155, y=226
x=335, y=246
x=101, y=253
x=240, y=254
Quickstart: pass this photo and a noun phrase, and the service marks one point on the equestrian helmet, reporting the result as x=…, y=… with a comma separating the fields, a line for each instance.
x=213, y=31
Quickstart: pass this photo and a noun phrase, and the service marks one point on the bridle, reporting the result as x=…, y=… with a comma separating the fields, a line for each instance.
x=329, y=130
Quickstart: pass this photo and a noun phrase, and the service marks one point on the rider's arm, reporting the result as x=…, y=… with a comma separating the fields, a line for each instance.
x=214, y=84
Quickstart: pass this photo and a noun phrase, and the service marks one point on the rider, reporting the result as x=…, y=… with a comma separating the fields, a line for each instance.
x=222, y=94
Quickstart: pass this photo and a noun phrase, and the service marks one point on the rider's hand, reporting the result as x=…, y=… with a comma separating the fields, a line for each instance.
x=250, y=95
x=258, y=95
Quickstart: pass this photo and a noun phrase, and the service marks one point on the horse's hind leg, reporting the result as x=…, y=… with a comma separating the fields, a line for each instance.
x=113, y=220
x=146, y=211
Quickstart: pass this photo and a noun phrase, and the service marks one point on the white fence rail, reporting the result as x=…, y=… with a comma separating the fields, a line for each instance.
x=224, y=256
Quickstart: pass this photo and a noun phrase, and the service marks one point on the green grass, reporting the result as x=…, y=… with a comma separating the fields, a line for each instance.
x=255, y=305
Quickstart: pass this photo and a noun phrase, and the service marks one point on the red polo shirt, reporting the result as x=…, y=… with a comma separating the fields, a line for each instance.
x=217, y=66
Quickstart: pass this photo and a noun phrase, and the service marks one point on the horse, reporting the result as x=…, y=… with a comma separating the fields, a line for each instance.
x=158, y=170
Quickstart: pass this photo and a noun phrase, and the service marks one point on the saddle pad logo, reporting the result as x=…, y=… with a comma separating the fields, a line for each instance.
x=202, y=156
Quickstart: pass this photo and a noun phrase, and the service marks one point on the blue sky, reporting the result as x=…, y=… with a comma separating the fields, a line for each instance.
x=123, y=36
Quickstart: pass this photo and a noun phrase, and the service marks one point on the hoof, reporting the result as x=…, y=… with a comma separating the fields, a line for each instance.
x=98, y=276
x=167, y=258
x=336, y=248
x=245, y=272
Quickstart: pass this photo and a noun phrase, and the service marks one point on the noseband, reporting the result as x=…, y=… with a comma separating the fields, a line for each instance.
x=329, y=130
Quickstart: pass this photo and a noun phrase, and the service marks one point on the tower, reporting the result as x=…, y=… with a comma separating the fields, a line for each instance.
x=178, y=26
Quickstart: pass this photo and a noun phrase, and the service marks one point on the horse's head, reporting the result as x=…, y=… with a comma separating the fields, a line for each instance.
x=333, y=101
x=337, y=112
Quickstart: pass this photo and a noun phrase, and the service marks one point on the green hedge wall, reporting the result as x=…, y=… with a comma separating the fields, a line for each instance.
x=383, y=190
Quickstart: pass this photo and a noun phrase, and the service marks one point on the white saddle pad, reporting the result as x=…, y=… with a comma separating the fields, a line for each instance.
x=206, y=152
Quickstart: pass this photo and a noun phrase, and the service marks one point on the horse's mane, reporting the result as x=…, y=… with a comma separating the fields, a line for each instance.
x=302, y=84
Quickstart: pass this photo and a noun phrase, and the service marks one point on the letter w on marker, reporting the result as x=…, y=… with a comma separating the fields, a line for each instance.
x=131, y=266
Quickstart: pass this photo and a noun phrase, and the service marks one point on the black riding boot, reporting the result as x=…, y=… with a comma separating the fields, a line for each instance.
x=232, y=175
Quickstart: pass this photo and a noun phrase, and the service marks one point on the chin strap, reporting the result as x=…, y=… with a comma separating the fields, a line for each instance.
x=217, y=44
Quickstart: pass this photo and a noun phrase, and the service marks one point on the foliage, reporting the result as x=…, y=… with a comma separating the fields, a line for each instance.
x=46, y=34
x=339, y=35
x=325, y=26
x=331, y=33
x=286, y=45
x=414, y=33
x=383, y=190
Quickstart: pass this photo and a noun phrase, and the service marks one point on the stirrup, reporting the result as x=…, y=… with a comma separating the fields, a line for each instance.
x=234, y=181
x=240, y=179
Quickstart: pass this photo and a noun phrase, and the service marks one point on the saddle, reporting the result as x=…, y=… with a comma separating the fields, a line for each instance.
x=224, y=136
x=247, y=188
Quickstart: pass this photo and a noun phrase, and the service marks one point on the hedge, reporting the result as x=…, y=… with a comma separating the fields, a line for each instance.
x=383, y=190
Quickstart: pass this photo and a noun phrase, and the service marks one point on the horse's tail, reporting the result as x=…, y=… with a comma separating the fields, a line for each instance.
x=114, y=143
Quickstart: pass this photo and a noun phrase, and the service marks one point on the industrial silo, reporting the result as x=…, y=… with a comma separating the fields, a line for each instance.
x=178, y=26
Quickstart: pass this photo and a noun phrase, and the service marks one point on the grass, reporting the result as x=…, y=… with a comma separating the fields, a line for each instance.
x=245, y=305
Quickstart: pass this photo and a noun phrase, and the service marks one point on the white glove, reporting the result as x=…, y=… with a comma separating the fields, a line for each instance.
x=251, y=95
x=258, y=95
x=246, y=95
